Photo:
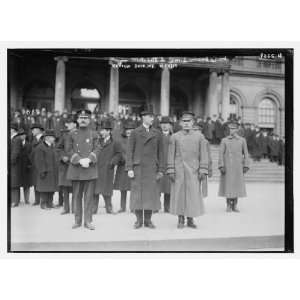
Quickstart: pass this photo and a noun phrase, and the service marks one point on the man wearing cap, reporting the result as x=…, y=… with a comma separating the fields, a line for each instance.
x=122, y=181
x=82, y=149
x=65, y=185
x=107, y=159
x=144, y=163
x=187, y=167
x=47, y=173
x=37, y=132
x=15, y=152
x=165, y=186
x=233, y=163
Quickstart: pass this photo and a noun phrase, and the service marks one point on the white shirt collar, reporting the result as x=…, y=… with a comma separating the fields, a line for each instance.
x=48, y=143
x=146, y=127
x=12, y=136
x=38, y=136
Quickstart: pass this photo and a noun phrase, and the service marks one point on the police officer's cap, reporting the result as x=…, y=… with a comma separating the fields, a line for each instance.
x=84, y=113
x=165, y=119
x=36, y=125
x=233, y=125
x=187, y=115
x=21, y=131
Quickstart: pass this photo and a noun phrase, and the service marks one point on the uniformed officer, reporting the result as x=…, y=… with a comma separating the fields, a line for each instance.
x=82, y=148
x=187, y=166
x=233, y=163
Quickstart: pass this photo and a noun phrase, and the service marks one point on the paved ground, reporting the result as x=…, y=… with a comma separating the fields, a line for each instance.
x=260, y=225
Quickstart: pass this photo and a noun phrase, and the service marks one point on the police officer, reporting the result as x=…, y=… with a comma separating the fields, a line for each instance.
x=82, y=148
x=233, y=163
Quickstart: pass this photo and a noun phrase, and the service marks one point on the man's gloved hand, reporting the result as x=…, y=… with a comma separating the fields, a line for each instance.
x=172, y=177
x=201, y=176
x=222, y=170
x=245, y=169
x=159, y=176
x=130, y=174
x=85, y=162
x=43, y=175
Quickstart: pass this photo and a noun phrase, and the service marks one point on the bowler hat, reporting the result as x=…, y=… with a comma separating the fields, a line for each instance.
x=129, y=125
x=165, y=119
x=146, y=112
x=106, y=124
x=36, y=125
x=49, y=132
x=14, y=126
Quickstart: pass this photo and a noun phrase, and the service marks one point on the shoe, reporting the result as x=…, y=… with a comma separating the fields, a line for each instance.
x=180, y=224
x=191, y=224
x=121, y=210
x=234, y=206
x=149, y=224
x=89, y=226
x=229, y=207
x=35, y=203
x=45, y=207
x=14, y=205
x=137, y=225
x=76, y=226
x=64, y=212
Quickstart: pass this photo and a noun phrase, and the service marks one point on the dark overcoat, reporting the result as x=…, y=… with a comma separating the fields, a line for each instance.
x=15, y=165
x=26, y=165
x=63, y=166
x=219, y=130
x=34, y=144
x=274, y=147
x=165, y=185
x=208, y=130
x=82, y=143
x=122, y=181
x=108, y=157
x=145, y=157
x=233, y=156
x=46, y=161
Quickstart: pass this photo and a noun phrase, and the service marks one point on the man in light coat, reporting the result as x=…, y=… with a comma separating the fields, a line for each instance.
x=187, y=167
x=233, y=163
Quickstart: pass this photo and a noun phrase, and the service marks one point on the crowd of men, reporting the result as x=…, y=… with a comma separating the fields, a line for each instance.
x=91, y=154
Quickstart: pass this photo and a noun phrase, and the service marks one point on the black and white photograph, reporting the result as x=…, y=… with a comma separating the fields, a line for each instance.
x=150, y=150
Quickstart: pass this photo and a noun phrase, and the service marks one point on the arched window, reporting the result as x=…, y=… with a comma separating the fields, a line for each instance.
x=267, y=113
x=233, y=107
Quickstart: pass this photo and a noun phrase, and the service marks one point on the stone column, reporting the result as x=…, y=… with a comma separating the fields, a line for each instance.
x=60, y=83
x=211, y=107
x=225, y=96
x=165, y=92
x=113, y=100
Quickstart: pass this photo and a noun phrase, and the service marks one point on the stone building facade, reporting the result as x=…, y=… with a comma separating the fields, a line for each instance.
x=247, y=86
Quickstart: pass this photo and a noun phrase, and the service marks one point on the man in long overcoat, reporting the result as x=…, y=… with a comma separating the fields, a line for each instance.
x=107, y=159
x=82, y=149
x=15, y=167
x=187, y=167
x=233, y=163
x=47, y=172
x=37, y=132
x=144, y=163
x=64, y=184
x=122, y=181
x=165, y=185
